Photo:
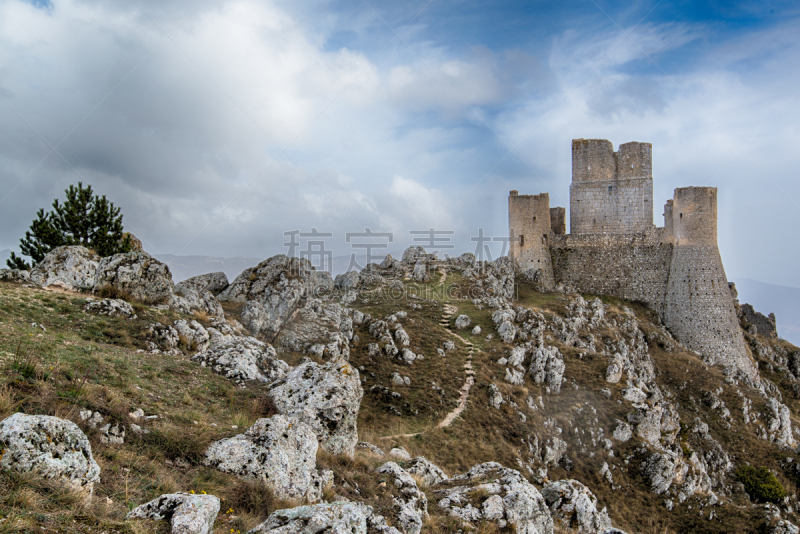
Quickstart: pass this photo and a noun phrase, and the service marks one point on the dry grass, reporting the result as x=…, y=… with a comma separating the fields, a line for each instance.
x=82, y=361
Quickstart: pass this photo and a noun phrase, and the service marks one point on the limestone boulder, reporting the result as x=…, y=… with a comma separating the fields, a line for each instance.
x=573, y=506
x=241, y=358
x=334, y=518
x=279, y=451
x=194, y=334
x=187, y=300
x=188, y=514
x=318, y=322
x=409, y=503
x=216, y=283
x=14, y=275
x=137, y=273
x=273, y=290
x=51, y=447
x=492, y=493
x=462, y=322
x=547, y=367
x=414, y=255
x=73, y=268
x=326, y=397
x=110, y=307
x=428, y=472
x=162, y=338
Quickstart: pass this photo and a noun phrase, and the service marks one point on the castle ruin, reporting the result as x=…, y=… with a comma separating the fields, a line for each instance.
x=614, y=248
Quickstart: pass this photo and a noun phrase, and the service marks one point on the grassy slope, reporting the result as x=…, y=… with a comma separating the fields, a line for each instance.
x=83, y=361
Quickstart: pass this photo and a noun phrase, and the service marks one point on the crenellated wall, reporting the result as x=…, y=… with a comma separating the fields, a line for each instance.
x=611, y=192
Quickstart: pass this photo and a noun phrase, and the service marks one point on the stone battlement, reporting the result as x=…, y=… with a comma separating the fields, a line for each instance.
x=613, y=248
x=611, y=192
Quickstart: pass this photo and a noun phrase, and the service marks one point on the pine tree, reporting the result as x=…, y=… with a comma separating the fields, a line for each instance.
x=83, y=219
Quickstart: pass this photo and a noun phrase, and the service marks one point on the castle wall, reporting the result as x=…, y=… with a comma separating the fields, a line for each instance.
x=558, y=220
x=698, y=305
x=633, y=267
x=529, y=225
x=611, y=192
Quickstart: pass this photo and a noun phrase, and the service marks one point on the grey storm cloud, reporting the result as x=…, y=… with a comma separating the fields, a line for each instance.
x=244, y=123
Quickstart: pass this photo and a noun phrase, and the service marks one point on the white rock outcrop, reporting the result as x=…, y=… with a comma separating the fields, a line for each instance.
x=428, y=472
x=51, y=447
x=189, y=514
x=334, y=518
x=503, y=495
x=242, y=358
x=110, y=307
x=73, y=268
x=573, y=506
x=409, y=503
x=279, y=451
x=326, y=397
x=273, y=290
x=138, y=274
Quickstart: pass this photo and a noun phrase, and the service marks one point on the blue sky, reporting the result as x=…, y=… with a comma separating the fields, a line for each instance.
x=219, y=125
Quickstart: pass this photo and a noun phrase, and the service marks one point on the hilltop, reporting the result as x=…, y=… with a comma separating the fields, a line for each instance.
x=503, y=408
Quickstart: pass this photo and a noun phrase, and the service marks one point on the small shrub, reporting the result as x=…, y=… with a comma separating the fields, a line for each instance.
x=760, y=484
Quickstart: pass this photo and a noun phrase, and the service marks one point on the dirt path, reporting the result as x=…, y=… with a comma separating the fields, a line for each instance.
x=448, y=313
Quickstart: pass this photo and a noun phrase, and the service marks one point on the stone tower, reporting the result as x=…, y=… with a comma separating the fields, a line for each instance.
x=611, y=192
x=529, y=227
x=698, y=306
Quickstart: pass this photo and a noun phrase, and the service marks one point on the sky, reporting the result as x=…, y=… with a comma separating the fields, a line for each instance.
x=218, y=125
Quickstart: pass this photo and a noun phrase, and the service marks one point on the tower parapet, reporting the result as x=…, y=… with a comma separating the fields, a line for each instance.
x=529, y=228
x=611, y=192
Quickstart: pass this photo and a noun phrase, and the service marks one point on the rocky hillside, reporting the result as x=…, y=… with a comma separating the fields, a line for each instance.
x=418, y=395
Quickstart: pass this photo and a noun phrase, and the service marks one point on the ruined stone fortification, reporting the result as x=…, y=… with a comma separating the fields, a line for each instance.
x=613, y=248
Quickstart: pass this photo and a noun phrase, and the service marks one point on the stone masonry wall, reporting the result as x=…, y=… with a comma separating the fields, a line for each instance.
x=699, y=306
x=529, y=225
x=634, y=267
x=611, y=192
x=558, y=220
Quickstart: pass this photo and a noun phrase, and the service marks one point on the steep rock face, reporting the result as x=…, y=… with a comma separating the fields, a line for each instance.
x=189, y=514
x=137, y=273
x=575, y=507
x=333, y=518
x=73, y=268
x=273, y=290
x=410, y=504
x=327, y=397
x=53, y=448
x=279, y=451
x=491, y=492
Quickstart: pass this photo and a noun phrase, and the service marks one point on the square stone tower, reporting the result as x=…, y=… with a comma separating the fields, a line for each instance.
x=611, y=192
x=530, y=228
